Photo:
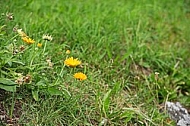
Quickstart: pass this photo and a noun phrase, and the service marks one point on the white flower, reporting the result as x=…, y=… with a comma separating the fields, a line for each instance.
x=47, y=37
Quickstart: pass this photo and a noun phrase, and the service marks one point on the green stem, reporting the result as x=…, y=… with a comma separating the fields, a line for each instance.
x=31, y=62
x=44, y=47
x=60, y=74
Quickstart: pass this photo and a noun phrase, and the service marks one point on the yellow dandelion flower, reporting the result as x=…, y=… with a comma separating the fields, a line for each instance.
x=68, y=52
x=71, y=62
x=39, y=44
x=28, y=40
x=80, y=76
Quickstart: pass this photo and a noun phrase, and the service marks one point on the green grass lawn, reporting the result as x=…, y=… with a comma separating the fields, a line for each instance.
x=134, y=53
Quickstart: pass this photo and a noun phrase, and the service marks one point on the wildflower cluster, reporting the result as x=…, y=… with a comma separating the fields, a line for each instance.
x=29, y=41
x=34, y=67
x=71, y=62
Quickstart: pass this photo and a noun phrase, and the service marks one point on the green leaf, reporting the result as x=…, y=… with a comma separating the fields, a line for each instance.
x=127, y=115
x=41, y=84
x=8, y=88
x=7, y=82
x=35, y=95
x=54, y=91
x=18, y=62
x=106, y=102
x=7, y=85
x=9, y=63
x=116, y=88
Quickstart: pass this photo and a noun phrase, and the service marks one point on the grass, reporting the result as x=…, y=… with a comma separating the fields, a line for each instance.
x=134, y=53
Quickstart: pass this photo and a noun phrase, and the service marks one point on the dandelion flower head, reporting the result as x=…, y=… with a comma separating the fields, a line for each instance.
x=71, y=62
x=39, y=44
x=80, y=76
x=24, y=37
x=68, y=52
x=28, y=40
